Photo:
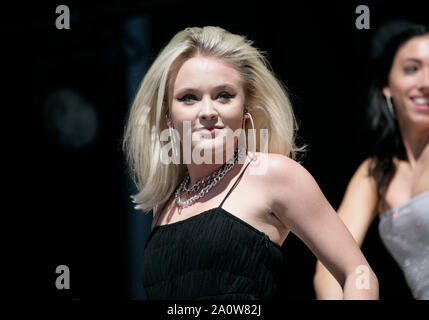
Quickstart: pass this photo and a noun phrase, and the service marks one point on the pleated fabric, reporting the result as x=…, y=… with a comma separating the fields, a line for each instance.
x=212, y=255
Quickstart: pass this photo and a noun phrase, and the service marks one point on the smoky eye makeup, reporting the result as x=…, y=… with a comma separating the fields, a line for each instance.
x=187, y=97
x=224, y=95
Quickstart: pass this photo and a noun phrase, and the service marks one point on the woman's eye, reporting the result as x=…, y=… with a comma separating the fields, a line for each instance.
x=225, y=96
x=187, y=98
x=410, y=69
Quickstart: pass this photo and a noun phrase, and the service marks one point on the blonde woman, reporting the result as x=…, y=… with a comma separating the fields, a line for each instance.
x=219, y=222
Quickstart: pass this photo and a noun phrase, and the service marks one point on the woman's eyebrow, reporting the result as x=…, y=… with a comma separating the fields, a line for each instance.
x=412, y=60
x=225, y=86
x=185, y=90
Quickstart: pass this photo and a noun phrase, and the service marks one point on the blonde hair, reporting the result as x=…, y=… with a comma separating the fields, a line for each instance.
x=266, y=100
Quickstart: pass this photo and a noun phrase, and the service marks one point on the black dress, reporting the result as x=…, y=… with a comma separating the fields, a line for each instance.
x=212, y=255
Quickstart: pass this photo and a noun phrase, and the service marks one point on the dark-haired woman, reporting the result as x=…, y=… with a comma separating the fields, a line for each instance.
x=394, y=181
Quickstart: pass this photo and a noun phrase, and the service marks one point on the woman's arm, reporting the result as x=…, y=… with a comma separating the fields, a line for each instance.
x=298, y=202
x=357, y=210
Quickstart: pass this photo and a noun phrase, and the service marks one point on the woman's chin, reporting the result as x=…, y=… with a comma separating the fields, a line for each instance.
x=212, y=151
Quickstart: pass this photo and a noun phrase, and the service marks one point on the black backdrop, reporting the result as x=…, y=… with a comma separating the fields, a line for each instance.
x=84, y=216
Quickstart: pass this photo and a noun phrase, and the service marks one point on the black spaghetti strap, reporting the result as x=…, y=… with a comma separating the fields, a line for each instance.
x=235, y=183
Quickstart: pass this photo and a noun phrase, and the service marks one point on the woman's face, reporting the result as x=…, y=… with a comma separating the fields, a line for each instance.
x=408, y=82
x=208, y=94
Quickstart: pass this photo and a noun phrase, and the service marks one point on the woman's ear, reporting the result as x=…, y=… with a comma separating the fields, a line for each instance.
x=168, y=119
x=387, y=92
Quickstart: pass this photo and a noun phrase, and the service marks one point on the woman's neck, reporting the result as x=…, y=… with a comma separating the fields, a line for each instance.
x=199, y=171
x=416, y=143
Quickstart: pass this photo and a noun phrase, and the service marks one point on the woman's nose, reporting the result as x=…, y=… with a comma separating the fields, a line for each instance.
x=208, y=110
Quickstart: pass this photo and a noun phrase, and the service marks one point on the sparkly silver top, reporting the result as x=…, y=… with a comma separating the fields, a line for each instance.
x=405, y=233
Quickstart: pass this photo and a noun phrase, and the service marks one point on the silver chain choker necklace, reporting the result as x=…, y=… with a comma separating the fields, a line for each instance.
x=204, y=185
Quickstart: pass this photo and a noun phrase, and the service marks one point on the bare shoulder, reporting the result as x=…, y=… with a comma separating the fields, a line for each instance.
x=362, y=179
x=359, y=205
x=365, y=167
x=279, y=170
x=274, y=168
x=291, y=192
x=282, y=177
x=272, y=162
x=361, y=192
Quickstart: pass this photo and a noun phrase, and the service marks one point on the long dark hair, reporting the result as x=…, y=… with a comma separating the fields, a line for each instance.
x=387, y=136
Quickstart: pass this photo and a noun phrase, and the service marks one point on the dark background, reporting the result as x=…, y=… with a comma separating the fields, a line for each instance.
x=78, y=179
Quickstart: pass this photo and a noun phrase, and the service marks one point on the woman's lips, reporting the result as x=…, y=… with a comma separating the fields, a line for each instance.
x=209, y=130
x=421, y=103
